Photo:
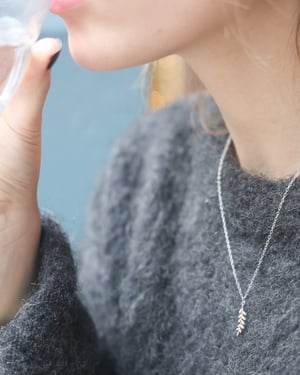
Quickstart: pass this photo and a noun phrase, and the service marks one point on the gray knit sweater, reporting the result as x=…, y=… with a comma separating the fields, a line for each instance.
x=150, y=288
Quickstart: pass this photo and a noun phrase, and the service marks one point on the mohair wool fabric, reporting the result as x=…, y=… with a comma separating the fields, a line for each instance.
x=150, y=289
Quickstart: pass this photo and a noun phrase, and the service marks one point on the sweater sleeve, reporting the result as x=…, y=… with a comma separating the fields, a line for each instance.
x=52, y=333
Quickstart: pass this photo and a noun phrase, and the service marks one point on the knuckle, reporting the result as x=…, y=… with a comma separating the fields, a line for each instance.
x=29, y=136
x=12, y=191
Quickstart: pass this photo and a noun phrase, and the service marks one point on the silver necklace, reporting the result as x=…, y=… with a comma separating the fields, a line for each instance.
x=242, y=313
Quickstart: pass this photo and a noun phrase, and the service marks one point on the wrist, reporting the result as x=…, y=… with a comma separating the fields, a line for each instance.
x=19, y=241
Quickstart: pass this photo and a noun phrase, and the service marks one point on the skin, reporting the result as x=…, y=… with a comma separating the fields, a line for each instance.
x=259, y=101
x=20, y=157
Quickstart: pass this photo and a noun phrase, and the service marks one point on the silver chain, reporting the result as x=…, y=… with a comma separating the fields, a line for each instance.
x=243, y=297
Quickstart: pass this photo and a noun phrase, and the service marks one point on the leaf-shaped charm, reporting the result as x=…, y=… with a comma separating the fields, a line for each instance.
x=241, y=321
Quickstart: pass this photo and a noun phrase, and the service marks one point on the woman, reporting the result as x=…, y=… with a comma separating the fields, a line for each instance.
x=181, y=271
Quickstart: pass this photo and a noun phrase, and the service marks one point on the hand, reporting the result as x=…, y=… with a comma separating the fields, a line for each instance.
x=20, y=157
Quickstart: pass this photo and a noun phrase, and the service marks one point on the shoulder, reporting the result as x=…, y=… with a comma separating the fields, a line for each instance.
x=149, y=136
x=141, y=159
x=176, y=123
x=156, y=140
x=138, y=196
x=157, y=127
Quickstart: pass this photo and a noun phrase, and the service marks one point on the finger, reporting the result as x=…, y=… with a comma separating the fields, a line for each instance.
x=25, y=109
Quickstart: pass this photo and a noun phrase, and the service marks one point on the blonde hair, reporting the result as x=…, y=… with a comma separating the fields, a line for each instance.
x=171, y=78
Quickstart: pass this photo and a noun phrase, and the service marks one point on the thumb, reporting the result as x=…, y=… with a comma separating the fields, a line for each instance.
x=24, y=111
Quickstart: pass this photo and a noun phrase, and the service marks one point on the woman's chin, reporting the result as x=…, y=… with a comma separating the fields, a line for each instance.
x=83, y=60
x=101, y=61
x=108, y=53
x=95, y=60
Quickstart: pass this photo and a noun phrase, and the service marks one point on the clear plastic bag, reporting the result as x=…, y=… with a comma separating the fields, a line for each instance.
x=20, y=24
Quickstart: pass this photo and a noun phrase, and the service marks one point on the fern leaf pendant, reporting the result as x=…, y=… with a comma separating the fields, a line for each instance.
x=241, y=321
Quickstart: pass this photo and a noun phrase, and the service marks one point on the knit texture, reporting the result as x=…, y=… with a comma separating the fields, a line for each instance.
x=52, y=333
x=153, y=270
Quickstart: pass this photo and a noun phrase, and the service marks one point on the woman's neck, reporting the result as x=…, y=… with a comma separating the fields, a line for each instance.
x=258, y=99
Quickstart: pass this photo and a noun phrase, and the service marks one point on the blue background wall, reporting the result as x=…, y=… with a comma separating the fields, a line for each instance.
x=85, y=113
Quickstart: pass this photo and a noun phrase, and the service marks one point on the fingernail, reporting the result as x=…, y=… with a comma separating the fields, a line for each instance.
x=53, y=60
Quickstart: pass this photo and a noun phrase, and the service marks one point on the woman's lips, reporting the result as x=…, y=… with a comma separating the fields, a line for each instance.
x=61, y=6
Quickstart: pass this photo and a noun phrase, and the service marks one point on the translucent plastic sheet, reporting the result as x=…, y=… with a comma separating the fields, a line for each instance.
x=20, y=23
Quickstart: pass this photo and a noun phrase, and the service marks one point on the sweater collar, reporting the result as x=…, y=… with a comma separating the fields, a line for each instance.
x=251, y=201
